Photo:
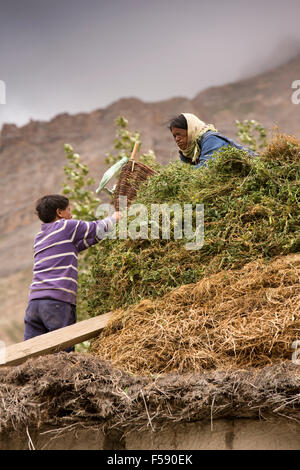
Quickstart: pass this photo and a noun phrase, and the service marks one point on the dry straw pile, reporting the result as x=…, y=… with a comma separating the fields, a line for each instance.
x=236, y=318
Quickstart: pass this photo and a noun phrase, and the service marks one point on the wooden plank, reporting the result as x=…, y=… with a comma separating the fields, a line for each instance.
x=55, y=340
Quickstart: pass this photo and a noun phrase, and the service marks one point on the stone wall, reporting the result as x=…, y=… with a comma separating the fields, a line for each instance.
x=235, y=434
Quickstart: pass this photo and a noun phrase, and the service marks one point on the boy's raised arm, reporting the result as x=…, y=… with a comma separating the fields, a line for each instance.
x=87, y=234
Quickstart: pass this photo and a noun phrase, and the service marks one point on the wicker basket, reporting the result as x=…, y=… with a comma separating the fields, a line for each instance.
x=132, y=175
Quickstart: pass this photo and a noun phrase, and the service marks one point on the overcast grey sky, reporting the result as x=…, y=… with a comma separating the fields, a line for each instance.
x=74, y=55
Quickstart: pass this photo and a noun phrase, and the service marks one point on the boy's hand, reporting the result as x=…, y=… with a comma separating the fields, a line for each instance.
x=116, y=215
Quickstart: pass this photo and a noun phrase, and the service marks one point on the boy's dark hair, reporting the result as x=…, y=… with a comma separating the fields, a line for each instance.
x=179, y=122
x=46, y=206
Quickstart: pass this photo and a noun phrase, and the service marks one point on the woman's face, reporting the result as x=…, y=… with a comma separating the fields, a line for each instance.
x=180, y=137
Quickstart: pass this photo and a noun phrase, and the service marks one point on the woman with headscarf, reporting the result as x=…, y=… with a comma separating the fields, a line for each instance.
x=198, y=141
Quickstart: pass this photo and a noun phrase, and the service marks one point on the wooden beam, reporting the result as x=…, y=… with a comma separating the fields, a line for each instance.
x=55, y=340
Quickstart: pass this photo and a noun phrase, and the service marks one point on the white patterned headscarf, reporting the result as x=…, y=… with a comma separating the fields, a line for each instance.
x=195, y=129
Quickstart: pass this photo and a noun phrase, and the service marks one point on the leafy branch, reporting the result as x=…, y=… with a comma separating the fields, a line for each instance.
x=252, y=133
x=77, y=186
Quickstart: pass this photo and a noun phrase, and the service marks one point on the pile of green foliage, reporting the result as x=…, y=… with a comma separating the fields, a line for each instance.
x=251, y=211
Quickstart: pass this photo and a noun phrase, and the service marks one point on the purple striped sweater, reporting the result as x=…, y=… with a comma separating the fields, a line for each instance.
x=56, y=248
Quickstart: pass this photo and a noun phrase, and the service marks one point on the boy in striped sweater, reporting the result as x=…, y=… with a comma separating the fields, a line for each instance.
x=52, y=297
